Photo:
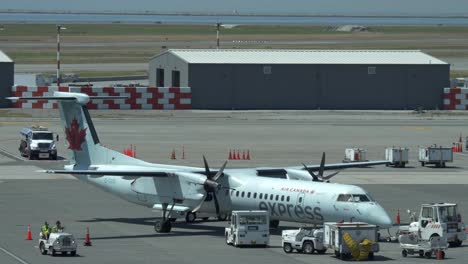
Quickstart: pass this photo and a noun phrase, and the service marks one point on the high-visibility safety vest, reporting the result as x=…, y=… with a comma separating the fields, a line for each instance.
x=45, y=229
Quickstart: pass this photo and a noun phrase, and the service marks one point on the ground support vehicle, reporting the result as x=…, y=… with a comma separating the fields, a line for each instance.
x=248, y=228
x=303, y=240
x=398, y=157
x=438, y=220
x=37, y=142
x=435, y=155
x=410, y=245
x=355, y=155
x=355, y=240
x=58, y=243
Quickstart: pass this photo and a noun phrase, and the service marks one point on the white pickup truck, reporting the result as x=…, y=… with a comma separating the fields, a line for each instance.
x=303, y=240
x=58, y=243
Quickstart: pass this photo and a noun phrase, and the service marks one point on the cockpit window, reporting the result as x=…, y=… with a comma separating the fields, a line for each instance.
x=355, y=198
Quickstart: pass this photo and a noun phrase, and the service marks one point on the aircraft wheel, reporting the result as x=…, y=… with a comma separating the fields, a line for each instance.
x=274, y=223
x=222, y=217
x=161, y=226
x=190, y=217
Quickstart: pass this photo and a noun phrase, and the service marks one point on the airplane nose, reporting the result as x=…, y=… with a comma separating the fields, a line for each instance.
x=383, y=220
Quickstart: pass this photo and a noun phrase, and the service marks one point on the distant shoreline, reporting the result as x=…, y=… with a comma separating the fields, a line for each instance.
x=151, y=13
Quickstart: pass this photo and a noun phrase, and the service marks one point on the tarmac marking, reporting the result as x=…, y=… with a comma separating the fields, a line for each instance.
x=10, y=155
x=13, y=256
x=415, y=128
x=23, y=122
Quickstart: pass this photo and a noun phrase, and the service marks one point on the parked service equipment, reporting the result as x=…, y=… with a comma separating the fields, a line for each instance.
x=303, y=240
x=355, y=240
x=37, y=142
x=435, y=155
x=248, y=228
x=355, y=155
x=397, y=157
x=58, y=243
x=410, y=245
x=438, y=220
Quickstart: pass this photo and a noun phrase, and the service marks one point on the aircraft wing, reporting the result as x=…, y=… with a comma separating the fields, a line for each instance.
x=154, y=174
x=344, y=165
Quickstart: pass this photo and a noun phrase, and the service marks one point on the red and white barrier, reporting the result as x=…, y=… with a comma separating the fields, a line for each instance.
x=168, y=98
x=456, y=98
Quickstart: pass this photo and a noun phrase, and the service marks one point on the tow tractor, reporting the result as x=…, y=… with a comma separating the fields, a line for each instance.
x=58, y=243
x=248, y=228
x=303, y=240
x=437, y=220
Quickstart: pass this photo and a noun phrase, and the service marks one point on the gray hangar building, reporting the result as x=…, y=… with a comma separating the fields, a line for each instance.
x=303, y=79
x=6, y=79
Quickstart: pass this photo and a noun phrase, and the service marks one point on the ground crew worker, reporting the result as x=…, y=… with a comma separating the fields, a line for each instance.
x=45, y=231
x=57, y=227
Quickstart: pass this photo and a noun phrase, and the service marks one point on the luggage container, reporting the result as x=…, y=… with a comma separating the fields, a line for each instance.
x=355, y=155
x=398, y=157
x=435, y=155
x=355, y=240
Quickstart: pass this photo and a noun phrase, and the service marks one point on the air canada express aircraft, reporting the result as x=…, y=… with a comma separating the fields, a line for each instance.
x=295, y=194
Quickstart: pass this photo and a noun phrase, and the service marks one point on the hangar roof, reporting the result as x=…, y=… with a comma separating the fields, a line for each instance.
x=268, y=56
x=4, y=57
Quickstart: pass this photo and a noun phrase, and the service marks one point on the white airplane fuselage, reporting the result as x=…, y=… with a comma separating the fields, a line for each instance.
x=286, y=200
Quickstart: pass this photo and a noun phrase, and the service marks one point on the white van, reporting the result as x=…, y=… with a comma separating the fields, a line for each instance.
x=248, y=228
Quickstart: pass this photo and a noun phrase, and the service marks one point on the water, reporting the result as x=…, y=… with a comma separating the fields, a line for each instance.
x=241, y=20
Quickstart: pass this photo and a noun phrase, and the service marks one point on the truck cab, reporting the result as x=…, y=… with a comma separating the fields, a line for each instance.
x=37, y=142
x=440, y=220
x=248, y=228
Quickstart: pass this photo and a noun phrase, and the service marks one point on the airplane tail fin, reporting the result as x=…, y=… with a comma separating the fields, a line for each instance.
x=83, y=141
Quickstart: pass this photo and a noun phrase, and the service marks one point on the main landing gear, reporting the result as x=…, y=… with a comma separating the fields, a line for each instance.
x=163, y=224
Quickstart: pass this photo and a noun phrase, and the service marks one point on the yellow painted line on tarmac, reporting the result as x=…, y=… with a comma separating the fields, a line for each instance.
x=24, y=122
x=415, y=128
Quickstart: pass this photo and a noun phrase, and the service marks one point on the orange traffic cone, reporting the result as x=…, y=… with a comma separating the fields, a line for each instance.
x=29, y=234
x=87, y=241
x=238, y=155
x=248, y=155
x=234, y=157
x=398, y=217
x=243, y=154
x=230, y=155
x=173, y=155
x=440, y=254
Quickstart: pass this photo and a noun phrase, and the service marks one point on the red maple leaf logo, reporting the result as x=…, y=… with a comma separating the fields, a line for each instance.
x=75, y=136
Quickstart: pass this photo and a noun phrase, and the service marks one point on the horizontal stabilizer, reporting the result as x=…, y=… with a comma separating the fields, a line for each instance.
x=338, y=166
x=154, y=174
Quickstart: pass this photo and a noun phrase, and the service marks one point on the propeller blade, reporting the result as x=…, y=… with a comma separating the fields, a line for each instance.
x=314, y=177
x=194, y=210
x=220, y=172
x=322, y=165
x=330, y=176
x=207, y=169
x=215, y=198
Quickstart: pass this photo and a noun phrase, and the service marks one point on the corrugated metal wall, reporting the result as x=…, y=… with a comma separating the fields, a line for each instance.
x=6, y=82
x=280, y=86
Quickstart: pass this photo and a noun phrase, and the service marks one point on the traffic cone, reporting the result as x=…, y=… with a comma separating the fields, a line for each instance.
x=230, y=155
x=440, y=254
x=87, y=241
x=183, y=151
x=238, y=155
x=248, y=154
x=243, y=155
x=173, y=155
x=234, y=157
x=29, y=234
x=398, y=217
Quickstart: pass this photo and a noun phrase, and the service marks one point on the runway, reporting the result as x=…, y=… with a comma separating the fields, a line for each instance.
x=122, y=232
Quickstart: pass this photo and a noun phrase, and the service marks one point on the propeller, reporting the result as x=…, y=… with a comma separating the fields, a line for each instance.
x=320, y=177
x=211, y=185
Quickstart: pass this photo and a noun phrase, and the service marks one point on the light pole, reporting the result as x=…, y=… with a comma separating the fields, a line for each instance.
x=59, y=27
x=217, y=34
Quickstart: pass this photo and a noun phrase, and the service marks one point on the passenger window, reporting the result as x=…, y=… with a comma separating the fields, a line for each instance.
x=255, y=195
x=237, y=193
x=287, y=199
x=271, y=197
x=300, y=199
x=266, y=196
x=242, y=195
x=277, y=197
x=261, y=196
x=282, y=197
x=248, y=195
